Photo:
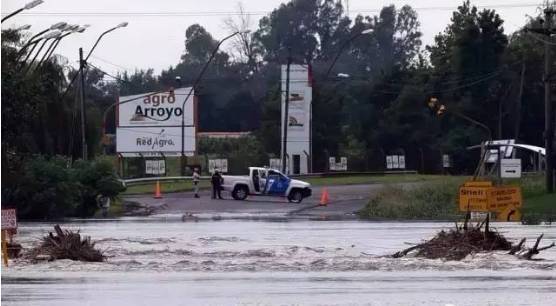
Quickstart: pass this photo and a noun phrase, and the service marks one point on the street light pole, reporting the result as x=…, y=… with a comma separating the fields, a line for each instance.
x=549, y=116
x=286, y=116
x=56, y=42
x=121, y=25
x=344, y=45
x=27, y=6
x=195, y=83
x=440, y=109
x=52, y=35
x=82, y=64
x=32, y=41
x=548, y=31
x=82, y=98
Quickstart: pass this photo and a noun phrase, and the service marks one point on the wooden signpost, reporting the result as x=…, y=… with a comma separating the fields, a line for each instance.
x=9, y=223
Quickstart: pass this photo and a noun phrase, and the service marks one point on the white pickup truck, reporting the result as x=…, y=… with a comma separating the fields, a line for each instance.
x=266, y=182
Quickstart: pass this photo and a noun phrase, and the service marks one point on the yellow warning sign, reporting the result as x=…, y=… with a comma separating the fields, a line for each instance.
x=482, y=196
x=502, y=197
x=473, y=198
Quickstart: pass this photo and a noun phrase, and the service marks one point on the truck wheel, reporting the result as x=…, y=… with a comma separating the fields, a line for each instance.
x=240, y=193
x=295, y=196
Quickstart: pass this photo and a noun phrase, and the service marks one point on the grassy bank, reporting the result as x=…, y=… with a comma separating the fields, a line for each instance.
x=437, y=200
x=371, y=179
x=540, y=208
x=433, y=200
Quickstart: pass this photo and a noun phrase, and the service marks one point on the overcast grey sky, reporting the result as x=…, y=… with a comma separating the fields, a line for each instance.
x=156, y=32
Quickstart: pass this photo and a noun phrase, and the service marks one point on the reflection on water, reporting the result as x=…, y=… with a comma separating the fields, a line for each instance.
x=260, y=263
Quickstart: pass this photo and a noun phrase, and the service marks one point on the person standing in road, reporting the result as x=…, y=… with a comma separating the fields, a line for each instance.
x=216, y=181
x=196, y=177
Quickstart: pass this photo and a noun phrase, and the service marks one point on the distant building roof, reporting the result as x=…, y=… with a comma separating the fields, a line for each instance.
x=223, y=134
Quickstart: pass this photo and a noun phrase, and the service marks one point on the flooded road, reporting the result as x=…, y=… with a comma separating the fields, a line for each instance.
x=167, y=261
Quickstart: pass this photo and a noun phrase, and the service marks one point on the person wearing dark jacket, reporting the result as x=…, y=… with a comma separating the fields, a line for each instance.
x=216, y=181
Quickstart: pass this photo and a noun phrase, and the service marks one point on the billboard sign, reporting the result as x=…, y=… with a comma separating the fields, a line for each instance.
x=299, y=114
x=152, y=122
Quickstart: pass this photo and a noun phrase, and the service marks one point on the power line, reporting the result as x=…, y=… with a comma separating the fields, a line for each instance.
x=106, y=73
x=235, y=13
x=110, y=63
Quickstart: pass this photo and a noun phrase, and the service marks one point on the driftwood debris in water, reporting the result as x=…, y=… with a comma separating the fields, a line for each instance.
x=67, y=245
x=457, y=243
x=530, y=252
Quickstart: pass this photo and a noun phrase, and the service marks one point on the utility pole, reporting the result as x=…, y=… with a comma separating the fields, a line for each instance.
x=83, y=135
x=286, y=117
x=548, y=121
x=547, y=31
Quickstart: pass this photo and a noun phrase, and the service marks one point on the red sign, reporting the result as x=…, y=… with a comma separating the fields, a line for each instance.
x=9, y=219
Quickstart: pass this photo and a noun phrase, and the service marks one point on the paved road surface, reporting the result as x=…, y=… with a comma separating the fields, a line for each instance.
x=343, y=202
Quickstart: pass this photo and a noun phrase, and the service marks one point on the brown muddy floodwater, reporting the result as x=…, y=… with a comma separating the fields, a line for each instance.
x=164, y=261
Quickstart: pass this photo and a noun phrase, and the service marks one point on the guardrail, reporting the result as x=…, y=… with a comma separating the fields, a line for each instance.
x=323, y=174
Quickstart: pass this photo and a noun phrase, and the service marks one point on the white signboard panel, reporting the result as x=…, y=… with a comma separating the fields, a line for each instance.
x=218, y=164
x=446, y=161
x=511, y=168
x=343, y=164
x=395, y=162
x=155, y=166
x=275, y=163
x=389, y=164
x=332, y=163
x=507, y=151
x=9, y=219
x=401, y=159
x=163, y=109
x=154, y=139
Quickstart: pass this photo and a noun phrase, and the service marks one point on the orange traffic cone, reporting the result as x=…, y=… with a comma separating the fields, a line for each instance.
x=157, y=193
x=324, y=197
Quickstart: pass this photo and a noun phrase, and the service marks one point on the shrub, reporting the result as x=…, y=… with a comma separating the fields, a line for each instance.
x=95, y=178
x=46, y=188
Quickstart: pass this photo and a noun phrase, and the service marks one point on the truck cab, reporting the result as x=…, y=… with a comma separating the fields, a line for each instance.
x=266, y=182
